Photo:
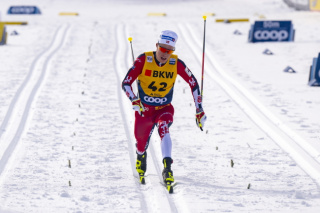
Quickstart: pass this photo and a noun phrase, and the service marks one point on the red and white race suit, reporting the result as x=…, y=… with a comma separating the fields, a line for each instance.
x=155, y=89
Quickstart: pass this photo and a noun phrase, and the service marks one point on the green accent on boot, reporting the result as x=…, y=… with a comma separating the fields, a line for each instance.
x=141, y=164
x=167, y=173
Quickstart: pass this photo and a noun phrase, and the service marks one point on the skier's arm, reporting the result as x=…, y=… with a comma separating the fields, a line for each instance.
x=132, y=75
x=187, y=75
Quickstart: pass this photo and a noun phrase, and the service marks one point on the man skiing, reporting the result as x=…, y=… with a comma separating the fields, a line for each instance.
x=156, y=72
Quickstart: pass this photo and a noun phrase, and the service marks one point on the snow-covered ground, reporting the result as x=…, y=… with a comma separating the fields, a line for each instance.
x=66, y=137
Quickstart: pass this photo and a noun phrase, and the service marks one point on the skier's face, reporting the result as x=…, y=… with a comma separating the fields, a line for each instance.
x=163, y=52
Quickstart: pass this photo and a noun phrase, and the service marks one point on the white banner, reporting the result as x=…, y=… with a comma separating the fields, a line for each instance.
x=298, y=4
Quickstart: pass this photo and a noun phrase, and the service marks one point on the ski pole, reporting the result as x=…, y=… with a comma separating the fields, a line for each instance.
x=130, y=39
x=204, y=39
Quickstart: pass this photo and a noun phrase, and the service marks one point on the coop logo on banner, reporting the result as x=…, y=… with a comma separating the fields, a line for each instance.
x=277, y=31
x=24, y=10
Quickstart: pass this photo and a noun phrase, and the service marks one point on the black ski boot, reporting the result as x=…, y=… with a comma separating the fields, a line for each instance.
x=167, y=174
x=141, y=166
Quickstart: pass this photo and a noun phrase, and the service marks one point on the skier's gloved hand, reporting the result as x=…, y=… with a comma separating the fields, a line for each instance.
x=137, y=105
x=200, y=118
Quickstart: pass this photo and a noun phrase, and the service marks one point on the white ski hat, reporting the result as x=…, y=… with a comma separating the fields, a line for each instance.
x=168, y=37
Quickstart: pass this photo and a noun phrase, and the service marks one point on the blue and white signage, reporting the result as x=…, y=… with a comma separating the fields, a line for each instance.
x=314, y=77
x=24, y=10
x=276, y=31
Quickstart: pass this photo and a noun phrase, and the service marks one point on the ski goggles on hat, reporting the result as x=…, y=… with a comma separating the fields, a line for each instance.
x=165, y=50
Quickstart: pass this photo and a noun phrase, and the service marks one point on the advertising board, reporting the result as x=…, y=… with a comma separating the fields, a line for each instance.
x=314, y=77
x=24, y=10
x=276, y=31
x=314, y=5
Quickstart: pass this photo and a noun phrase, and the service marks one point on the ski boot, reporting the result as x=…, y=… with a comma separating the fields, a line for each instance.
x=141, y=166
x=167, y=174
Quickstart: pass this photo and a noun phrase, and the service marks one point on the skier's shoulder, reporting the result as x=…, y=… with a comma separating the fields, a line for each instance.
x=181, y=66
x=141, y=58
x=180, y=62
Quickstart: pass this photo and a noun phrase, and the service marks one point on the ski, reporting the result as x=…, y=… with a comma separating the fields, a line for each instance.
x=169, y=184
x=142, y=179
x=169, y=187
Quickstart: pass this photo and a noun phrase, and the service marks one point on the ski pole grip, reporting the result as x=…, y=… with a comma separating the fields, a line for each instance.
x=130, y=39
x=204, y=17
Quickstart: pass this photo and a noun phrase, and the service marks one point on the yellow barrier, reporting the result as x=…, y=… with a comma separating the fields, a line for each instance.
x=157, y=14
x=262, y=17
x=233, y=20
x=15, y=22
x=314, y=5
x=68, y=14
x=209, y=14
x=2, y=30
x=3, y=34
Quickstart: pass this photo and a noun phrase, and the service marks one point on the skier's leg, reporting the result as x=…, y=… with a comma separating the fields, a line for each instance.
x=142, y=130
x=164, y=120
x=166, y=143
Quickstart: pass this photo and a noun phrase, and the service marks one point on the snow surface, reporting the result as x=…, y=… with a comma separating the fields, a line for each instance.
x=66, y=137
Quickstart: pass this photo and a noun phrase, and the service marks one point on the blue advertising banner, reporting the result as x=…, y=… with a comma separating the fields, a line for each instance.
x=314, y=77
x=275, y=31
x=24, y=10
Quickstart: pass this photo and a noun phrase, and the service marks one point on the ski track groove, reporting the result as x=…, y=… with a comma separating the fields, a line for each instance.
x=156, y=159
x=154, y=196
x=23, y=85
x=298, y=148
x=117, y=69
x=18, y=103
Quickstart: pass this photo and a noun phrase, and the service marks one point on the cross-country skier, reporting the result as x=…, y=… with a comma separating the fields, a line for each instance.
x=156, y=72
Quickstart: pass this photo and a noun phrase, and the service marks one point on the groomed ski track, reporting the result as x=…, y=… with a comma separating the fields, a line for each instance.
x=307, y=157
x=303, y=153
x=155, y=197
x=20, y=109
